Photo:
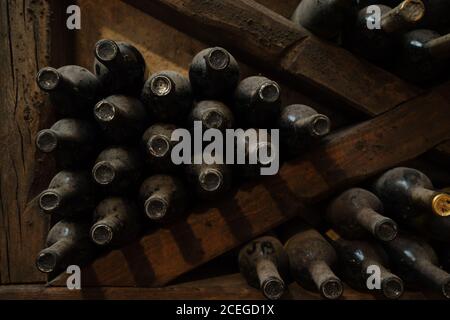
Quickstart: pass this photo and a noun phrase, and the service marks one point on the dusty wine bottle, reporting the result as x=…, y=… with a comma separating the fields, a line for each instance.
x=116, y=222
x=259, y=151
x=69, y=194
x=168, y=97
x=118, y=169
x=213, y=115
x=214, y=74
x=209, y=180
x=311, y=258
x=163, y=197
x=119, y=66
x=158, y=145
x=425, y=56
x=324, y=18
x=73, y=141
x=377, y=42
x=122, y=118
x=301, y=125
x=67, y=243
x=257, y=102
x=406, y=192
x=264, y=263
x=72, y=89
x=357, y=212
x=416, y=262
x=357, y=258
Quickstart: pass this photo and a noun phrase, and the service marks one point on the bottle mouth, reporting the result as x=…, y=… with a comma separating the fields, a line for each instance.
x=412, y=10
x=49, y=201
x=161, y=85
x=101, y=234
x=103, y=173
x=273, y=288
x=46, y=140
x=392, y=288
x=218, y=59
x=158, y=146
x=211, y=180
x=156, y=208
x=332, y=289
x=441, y=205
x=46, y=262
x=104, y=111
x=48, y=78
x=213, y=119
x=320, y=126
x=106, y=50
x=386, y=230
x=269, y=92
x=446, y=289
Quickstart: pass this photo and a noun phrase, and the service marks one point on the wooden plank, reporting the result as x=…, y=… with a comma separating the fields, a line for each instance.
x=273, y=40
x=229, y=287
x=345, y=158
x=26, y=44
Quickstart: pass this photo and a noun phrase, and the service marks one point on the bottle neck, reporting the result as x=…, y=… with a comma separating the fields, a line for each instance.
x=55, y=257
x=439, y=47
x=433, y=276
x=270, y=280
x=325, y=280
x=381, y=227
x=423, y=197
x=404, y=15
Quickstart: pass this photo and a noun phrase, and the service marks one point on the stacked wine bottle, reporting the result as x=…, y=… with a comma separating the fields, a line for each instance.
x=360, y=239
x=113, y=144
x=410, y=38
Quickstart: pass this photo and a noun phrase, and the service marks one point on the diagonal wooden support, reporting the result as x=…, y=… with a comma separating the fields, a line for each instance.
x=345, y=158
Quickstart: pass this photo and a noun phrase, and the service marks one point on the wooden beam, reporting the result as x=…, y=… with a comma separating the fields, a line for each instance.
x=345, y=158
x=229, y=287
x=275, y=41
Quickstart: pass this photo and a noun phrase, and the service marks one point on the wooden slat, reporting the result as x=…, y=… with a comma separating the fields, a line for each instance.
x=273, y=40
x=345, y=158
x=230, y=287
x=26, y=44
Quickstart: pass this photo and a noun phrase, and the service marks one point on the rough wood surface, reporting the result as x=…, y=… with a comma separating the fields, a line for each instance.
x=273, y=40
x=229, y=287
x=26, y=44
x=345, y=158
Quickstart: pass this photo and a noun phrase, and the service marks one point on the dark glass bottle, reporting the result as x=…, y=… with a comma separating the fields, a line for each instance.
x=259, y=151
x=416, y=261
x=324, y=18
x=116, y=222
x=167, y=96
x=119, y=66
x=69, y=194
x=163, y=197
x=431, y=226
x=209, y=180
x=257, y=102
x=118, y=169
x=311, y=259
x=72, y=141
x=356, y=260
x=264, y=263
x=214, y=74
x=300, y=126
x=379, y=44
x=67, y=243
x=406, y=193
x=357, y=213
x=158, y=145
x=73, y=90
x=122, y=118
x=425, y=56
x=212, y=114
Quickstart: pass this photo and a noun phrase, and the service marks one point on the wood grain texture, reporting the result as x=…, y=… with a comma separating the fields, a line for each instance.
x=229, y=287
x=345, y=158
x=26, y=44
x=270, y=39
